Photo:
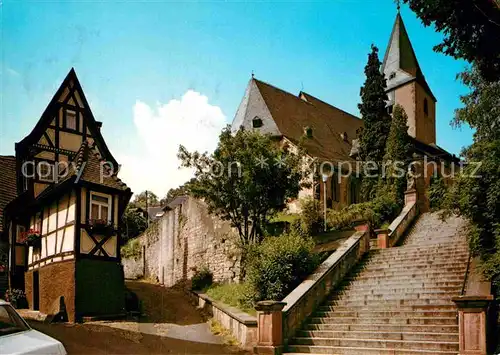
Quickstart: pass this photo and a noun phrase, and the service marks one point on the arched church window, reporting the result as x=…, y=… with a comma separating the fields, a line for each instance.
x=426, y=107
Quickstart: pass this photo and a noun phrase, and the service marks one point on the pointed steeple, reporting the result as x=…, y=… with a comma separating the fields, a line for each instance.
x=400, y=63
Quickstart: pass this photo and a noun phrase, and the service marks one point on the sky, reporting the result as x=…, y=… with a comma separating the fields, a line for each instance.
x=159, y=74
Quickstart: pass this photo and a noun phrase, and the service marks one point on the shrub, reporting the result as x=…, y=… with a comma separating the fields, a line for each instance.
x=381, y=209
x=233, y=294
x=310, y=219
x=202, y=279
x=437, y=192
x=132, y=249
x=17, y=298
x=278, y=265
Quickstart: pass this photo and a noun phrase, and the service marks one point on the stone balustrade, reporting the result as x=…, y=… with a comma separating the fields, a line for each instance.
x=302, y=301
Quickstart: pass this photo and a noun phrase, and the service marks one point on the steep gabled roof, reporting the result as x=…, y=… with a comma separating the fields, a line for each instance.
x=400, y=63
x=87, y=166
x=293, y=114
x=8, y=190
x=47, y=116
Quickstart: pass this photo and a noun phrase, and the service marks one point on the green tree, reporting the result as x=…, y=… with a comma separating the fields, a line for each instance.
x=476, y=191
x=397, y=154
x=133, y=223
x=246, y=180
x=471, y=30
x=377, y=121
x=175, y=192
x=140, y=199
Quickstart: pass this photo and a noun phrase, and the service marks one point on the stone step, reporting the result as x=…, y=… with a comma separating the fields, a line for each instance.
x=442, y=256
x=382, y=307
x=418, y=256
x=407, y=328
x=407, y=271
x=308, y=349
x=381, y=295
x=397, y=283
x=389, y=303
x=360, y=288
x=386, y=320
x=386, y=313
x=424, y=260
x=437, y=249
x=378, y=343
x=445, y=337
x=412, y=276
x=416, y=265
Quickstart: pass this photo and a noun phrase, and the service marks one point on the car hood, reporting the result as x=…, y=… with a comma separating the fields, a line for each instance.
x=30, y=342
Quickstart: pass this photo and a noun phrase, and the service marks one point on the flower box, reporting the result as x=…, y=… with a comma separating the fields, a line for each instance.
x=100, y=227
x=32, y=238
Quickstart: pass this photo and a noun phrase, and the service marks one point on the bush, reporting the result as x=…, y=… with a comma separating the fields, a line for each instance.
x=17, y=298
x=310, y=219
x=381, y=209
x=278, y=265
x=437, y=192
x=132, y=249
x=202, y=279
x=236, y=295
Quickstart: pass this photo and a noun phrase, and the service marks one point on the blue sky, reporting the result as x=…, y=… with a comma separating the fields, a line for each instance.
x=150, y=69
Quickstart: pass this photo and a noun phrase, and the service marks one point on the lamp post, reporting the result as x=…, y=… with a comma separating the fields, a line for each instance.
x=325, y=179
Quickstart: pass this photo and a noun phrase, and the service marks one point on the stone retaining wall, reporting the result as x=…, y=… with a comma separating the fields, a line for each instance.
x=187, y=238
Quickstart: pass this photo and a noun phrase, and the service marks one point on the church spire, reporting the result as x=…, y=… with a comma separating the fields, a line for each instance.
x=400, y=64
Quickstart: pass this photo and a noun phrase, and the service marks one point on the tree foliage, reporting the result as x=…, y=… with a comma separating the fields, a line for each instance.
x=471, y=30
x=133, y=223
x=176, y=192
x=140, y=199
x=397, y=155
x=476, y=192
x=246, y=180
x=377, y=121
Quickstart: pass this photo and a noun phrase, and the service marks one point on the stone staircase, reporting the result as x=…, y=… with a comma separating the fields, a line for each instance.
x=398, y=301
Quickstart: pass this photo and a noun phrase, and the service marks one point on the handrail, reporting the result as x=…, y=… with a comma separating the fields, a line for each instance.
x=466, y=274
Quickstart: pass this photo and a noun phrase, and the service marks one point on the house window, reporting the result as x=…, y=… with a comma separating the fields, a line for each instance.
x=100, y=206
x=426, y=107
x=256, y=122
x=45, y=171
x=389, y=109
x=71, y=119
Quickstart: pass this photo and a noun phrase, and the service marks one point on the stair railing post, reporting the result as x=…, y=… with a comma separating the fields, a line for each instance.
x=269, y=327
x=472, y=323
x=383, y=238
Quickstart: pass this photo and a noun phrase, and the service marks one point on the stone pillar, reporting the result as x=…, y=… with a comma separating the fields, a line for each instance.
x=410, y=196
x=270, y=327
x=383, y=238
x=472, y=321
x=363, y=226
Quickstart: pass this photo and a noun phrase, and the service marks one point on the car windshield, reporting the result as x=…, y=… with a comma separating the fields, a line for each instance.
x=10, y=321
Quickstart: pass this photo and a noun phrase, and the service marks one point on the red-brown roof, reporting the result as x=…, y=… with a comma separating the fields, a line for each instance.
x=8, y=189
x=89, y=166
x=292, y=114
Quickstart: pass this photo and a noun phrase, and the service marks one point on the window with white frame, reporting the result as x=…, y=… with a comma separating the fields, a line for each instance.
x=71, y=119
x=45, y=171
x=100, y=206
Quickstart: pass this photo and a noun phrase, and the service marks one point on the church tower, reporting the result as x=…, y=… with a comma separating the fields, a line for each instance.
x=407, y=87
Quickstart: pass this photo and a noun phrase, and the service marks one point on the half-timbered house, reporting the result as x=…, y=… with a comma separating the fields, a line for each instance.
x=62, y=223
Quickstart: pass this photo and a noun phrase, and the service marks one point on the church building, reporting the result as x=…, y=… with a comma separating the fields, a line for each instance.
x=60, y=206
x=330, y=134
